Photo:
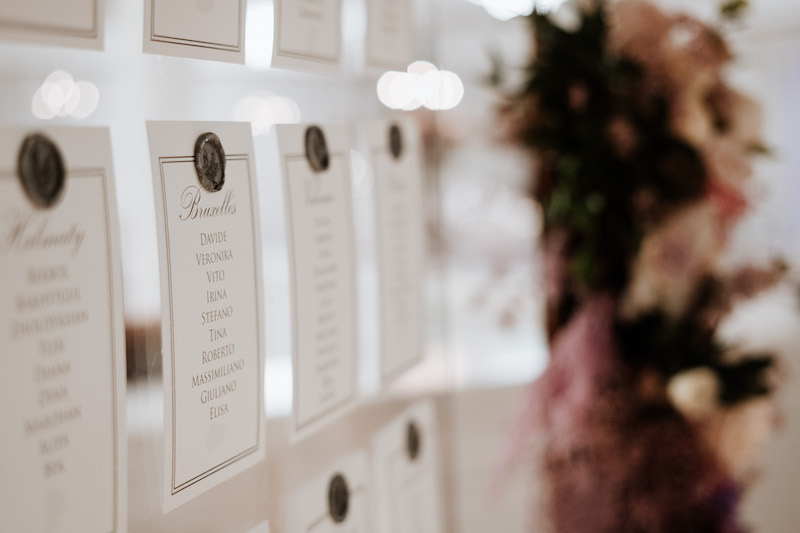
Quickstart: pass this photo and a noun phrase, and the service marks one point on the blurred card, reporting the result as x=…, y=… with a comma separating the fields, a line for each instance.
x=400, y=233
x=315, y=165
x=200, y=29
x=212, y=340
x=64, y=460
x=334, y=501
x=308, y=35
x=388, y=42
x=77, y=23
x=405, y=458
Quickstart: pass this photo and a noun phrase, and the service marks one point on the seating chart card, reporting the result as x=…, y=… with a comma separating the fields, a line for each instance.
x=200, y=29
x=400, y=221
x=405, y=459
x=335, y=501
x=388, y=41
x=308, y=35
x=77, y=23
x=64, y=464
x=212, y=331
x=315, y=165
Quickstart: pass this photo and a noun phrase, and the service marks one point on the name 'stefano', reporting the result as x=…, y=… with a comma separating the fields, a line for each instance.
x=194, y=206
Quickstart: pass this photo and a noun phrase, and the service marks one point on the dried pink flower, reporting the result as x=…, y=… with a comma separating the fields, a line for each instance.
x=739, y=433
x=672, y=259
x=622, y=136
x=578, y=96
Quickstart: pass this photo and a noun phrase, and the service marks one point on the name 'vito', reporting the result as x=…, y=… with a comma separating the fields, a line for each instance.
x=193, y=209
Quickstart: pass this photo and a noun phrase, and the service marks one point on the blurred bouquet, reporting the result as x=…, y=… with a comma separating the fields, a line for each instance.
x=643, y=159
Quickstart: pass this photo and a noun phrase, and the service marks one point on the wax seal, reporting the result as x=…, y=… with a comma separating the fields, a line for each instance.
x=413, y=441
x=395, y=141
x=338, y=498
x=209, y=162
x=316, y=149
x=41, y=170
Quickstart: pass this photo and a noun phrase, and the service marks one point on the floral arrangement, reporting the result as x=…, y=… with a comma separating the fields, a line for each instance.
x=643, y=158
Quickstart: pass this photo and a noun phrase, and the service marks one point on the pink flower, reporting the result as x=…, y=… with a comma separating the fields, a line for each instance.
x=695, y=56
x=727, y=161
x=673, y=259
x=690, y=117
x=578, y=96
x=622, y=136
x=745, y=119
x=729, y=167
x=583, y=360
x=695, y=392
x=738, y=434
x=682, y=60
x=638, y=29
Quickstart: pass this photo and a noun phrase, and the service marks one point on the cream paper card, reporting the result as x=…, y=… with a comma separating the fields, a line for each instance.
x=308, y=35
x=64, y=464
x=388, y=40
x=77, y=23
x=335, y=501
x=400, y=233
x=315, y=165
x=200, y=29
x=405, y=459
x=212, y=331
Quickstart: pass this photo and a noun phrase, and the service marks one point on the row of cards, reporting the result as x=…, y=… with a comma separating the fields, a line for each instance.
x=61, y=313
x=307, y=33
x=400, y=493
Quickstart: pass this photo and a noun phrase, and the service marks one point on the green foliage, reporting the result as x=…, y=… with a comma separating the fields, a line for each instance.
x=588, y=185
x=610, y=168
x=733, y=10
x=671, y=345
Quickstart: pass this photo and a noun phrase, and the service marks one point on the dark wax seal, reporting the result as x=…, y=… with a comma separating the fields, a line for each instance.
x=413, y=441
x=338, y=498
x=317, y=149
x=41, y=170
x=209, y=162
x=395, y=141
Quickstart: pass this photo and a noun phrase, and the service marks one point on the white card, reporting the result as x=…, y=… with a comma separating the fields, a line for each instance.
x=322, y=264
x=334, y=501
x=212, y=340
x=308, y=35
x=400, y=220
x=77, y=23
x=388, y=41
x=405, y=468
x=62, y=334
x=200, y=29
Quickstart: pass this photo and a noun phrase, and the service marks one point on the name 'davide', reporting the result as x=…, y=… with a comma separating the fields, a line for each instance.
x=195, y=205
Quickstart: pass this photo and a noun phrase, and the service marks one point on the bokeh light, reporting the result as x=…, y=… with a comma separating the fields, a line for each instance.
x=61, y=96
x=508, y=9
x=264, y=109
x=421, y=85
